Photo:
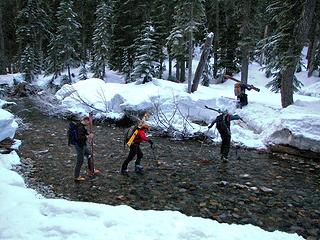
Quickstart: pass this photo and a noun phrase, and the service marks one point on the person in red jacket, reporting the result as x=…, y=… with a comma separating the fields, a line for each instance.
x=136, y=150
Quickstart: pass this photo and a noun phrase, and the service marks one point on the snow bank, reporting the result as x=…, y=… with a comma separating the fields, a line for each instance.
x=10, y=78
x=27, y=215
x=298, y=125
x=265, y=121
x=8, y=125
x=311, y=90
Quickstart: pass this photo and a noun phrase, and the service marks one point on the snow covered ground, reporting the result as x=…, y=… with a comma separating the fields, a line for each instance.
x=266, y=122
x=24, y=214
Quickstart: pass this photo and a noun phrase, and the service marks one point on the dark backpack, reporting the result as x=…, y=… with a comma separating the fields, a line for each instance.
x=222, y=124
x=72, y=133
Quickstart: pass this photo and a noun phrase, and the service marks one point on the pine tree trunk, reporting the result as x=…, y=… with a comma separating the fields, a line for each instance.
x=245, y=47
x=203, y=59
x=286, y=89
x=265, y=35
x=312, y=50
x=160, y=68
x=177, y=71
x=190, y=62
x=216, y=41
x=301, y=36
x=311, y=38
x=69, y=75
x=190, y=52
x=2, y=53
x=183, y=71
x=103, y=70
x=170, y=66
x=245, y=64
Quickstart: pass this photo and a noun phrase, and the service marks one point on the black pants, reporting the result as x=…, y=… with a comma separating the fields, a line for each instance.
x=82, y=151
x=243, y=100
x=134, y=150
x=225, y=144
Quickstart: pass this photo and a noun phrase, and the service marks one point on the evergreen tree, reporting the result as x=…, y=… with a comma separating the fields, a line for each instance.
x=317, y=59
x=85, y=10
x=2, y=52
x=162, y=18
x=212, y=9
x=9, y=10
x=188, y=16
x=127, y=21
x=229, y=37
x=27, y=63
x=53, y=61
x=127, y=68
x=101, y=39
x=32, y=23
x=67, y=36
x=284, y=46
x=83, y=74
x=177, y=47
x=249, y=34
x=314, y=39
x=145, y=64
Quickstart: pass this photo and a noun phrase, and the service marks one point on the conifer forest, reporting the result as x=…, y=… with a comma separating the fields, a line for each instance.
x=136, y=37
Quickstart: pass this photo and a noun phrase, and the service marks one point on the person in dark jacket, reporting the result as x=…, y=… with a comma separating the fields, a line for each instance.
x=222, y=122
x=136, y=150
x=81, y=147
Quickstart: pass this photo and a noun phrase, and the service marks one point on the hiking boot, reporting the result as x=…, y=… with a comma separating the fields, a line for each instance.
x=96, y=171
x=79, y=179
x=124, y=172
x=138, y=169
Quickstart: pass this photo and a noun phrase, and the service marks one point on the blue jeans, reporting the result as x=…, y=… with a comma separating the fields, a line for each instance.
x=82, y=151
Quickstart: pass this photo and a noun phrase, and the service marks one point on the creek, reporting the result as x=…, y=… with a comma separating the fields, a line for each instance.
x=254, y=187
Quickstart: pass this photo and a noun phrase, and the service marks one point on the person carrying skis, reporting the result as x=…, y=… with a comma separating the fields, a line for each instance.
x=136, y=150
x=81, y=136
x=222, y=122
x=240, y=93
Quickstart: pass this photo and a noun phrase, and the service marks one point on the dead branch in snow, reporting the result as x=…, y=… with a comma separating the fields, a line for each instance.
x=166, y=121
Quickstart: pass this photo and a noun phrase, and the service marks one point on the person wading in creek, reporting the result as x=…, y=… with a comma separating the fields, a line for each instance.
x=78, y=137
x=223, y=125
x=138, y=137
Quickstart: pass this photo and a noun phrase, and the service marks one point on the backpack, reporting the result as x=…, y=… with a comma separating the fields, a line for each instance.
x=222, y=124
x=130, y=135
x=72, y=133
x=237, y=89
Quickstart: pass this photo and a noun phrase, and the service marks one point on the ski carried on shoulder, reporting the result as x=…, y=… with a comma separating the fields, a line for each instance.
x=92, y=171
x=238, y=81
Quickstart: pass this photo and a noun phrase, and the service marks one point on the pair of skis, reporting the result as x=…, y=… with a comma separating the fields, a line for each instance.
x=92, y=171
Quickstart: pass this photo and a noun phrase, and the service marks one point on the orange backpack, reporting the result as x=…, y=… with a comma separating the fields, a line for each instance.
x=237, y=89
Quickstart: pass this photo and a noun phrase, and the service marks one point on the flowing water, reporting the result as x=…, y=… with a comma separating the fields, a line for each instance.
x=254, y=187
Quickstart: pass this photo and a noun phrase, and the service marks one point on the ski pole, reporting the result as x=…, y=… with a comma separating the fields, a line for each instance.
x=91, y=165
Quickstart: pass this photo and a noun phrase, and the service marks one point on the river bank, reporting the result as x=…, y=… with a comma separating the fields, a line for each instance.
x=253, y=187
